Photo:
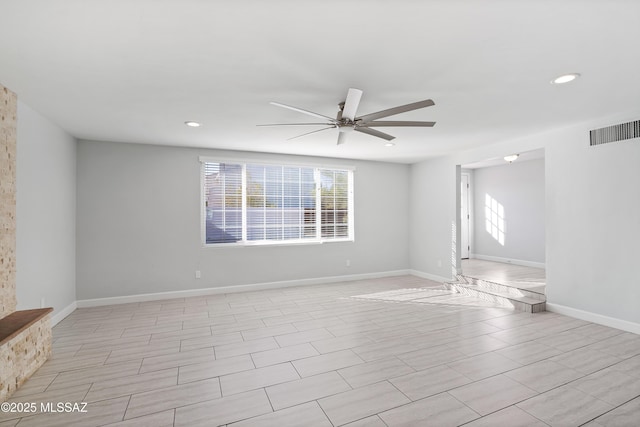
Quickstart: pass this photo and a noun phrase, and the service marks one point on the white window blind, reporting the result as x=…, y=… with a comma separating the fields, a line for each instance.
x=257, y=203
x=334, y=191
x=223, y=202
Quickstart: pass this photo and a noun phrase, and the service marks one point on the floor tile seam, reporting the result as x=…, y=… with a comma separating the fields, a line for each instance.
x=376, y=361
x=397, y=389
x=316, y=399
x=498, y=410
x=124, y=414
x=308, y=401
x=568, y=383
x=144, y=355
x=72, y=369
x=609, y=403
x=164, y=368
x=636, y=353
x=610, y=410
x=459, y=349
x=459, y=401
x=354, y=421
x=512, y=404
x=587, y=422
x=517, y=343
x=617, y=331
x=564, y=351
x=174, y=408
x=260, y=387
x=473, y=381
x=46, y=389
x=548, y=358
x=124, y=393
x=560, y=386
x=597, y=370
x=353, y=389
x=324, y=412
x=90, y=382
x=337, y=371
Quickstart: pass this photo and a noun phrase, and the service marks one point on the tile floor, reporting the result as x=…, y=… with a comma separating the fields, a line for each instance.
x=398, y=351
x=518, y=276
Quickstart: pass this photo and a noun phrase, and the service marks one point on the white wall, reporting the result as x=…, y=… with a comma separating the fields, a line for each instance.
x=519, y=188
x=591, y=216
x=46, y=213
x=138, y=225
x=432, y=219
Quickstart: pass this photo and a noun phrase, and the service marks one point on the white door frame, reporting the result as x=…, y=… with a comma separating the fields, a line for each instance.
x=465, y=215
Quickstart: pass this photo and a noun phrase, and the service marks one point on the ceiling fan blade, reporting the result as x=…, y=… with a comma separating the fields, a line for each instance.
x=397, y=123
x=298, y=124
x=374, y=132
x=300, y=110
x=342, y=138
x=351, y=104
x=396, y=110
x=309, y=133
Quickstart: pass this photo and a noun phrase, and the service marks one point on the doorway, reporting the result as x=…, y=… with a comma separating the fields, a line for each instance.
x=508, y=246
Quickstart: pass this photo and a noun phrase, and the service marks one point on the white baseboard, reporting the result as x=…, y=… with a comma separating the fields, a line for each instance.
x=509, y=261
x=594, y=318
x=61, y=314
x=96, y=302
x=430, y=276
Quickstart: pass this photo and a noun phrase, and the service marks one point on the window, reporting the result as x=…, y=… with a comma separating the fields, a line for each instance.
x=252, y=203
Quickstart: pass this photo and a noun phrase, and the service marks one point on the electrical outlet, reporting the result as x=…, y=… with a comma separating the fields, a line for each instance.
x=198, y=274
x=439, y=263
x=348, y=263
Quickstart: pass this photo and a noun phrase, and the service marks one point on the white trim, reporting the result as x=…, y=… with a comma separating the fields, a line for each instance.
x=298, y=163
x=243, y=195
x=96, y=302
x=351, y=208
x=509, y=260
x=430, y=276
x=203, y=209
x=600, y=319
x=61, y=314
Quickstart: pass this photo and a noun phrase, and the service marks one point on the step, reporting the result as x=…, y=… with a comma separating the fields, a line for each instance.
x=530, y=302
x=510, y=289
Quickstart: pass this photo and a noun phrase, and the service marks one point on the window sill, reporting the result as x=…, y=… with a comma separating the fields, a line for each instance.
x=274, y=243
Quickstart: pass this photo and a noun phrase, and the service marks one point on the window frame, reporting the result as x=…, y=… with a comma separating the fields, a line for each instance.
x=244, y=242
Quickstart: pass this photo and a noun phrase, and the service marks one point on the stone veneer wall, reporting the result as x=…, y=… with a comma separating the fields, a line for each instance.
x=8, y=121
x=22, y=355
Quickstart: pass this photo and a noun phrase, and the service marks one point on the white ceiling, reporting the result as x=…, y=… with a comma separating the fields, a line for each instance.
x=135, y=70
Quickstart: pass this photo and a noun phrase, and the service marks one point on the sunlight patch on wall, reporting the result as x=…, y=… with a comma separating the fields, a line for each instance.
x=494, y=218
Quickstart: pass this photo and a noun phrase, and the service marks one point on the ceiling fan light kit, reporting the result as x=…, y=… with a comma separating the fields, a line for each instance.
x=346, y=120
x=511, y=158
x=565, y=78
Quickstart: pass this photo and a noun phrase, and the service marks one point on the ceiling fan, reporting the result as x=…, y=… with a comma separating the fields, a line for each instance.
x=346, y=121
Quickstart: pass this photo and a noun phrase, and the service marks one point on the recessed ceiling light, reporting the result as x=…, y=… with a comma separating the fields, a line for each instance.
x=565, y=78
x=192, y=124
x=511, y=157
x=389, y=144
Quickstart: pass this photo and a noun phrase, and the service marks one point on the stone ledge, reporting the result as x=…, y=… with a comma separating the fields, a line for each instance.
x=25, y=338
x=18, y=321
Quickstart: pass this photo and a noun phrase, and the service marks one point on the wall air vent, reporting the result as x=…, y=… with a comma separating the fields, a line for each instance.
x=615, y=133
